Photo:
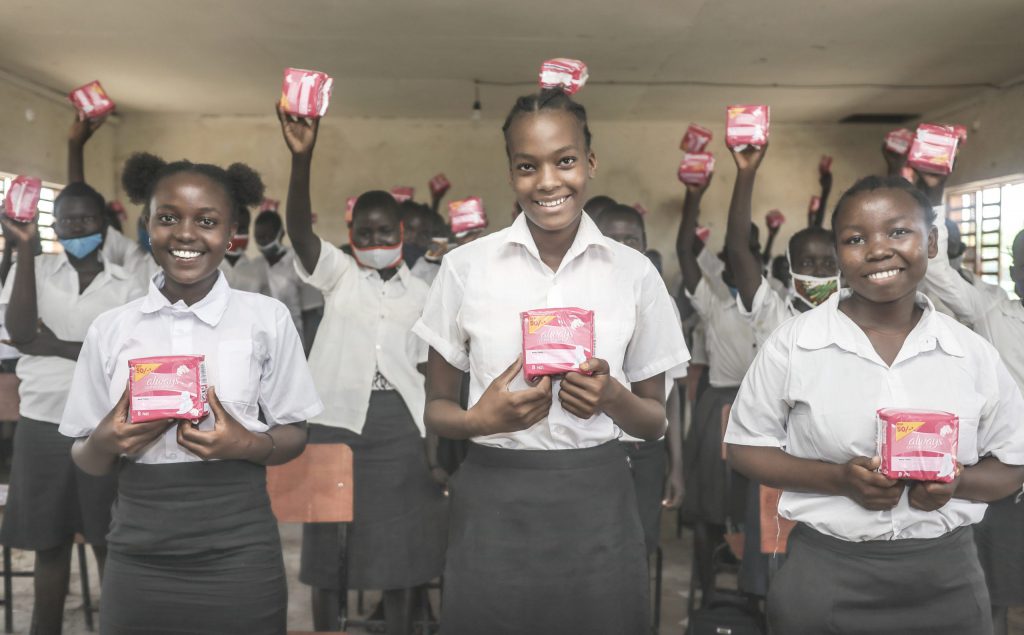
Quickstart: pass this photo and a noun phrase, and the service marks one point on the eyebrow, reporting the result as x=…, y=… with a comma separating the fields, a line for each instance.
x=523, y=155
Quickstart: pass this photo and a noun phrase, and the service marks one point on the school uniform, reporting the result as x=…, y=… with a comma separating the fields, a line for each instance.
x=286, y=285
x=1000, y=320
x=813, y=391
x=193, y=546
x=117, y=248
x=426, y=270
x=49, y=498
x=545, y=534
x=364, y=364
x=247, y=275
x=731, y=348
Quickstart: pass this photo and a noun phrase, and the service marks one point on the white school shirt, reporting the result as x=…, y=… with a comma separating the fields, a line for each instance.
x=472, y=319
x=288, y=287
x=987, y=309
x=426, y=270
x=366, y=327
x=45, y=380
x=254, y=359
x=730, y=338
x=117, y=248
x=247, y=275
x=767, y=311
x=816, y=384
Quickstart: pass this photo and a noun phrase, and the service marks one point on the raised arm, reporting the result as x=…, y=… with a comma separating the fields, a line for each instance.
x=81, y=130
x=745, y=266
x=300, y=137
x=22, y=316
x=686, y=239
x=825, y=180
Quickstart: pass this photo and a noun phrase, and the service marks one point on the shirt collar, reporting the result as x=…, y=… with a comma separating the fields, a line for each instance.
x=109, y=269
x=210, y=309
x=587, y=235
x=828, y=326
x=402, y=275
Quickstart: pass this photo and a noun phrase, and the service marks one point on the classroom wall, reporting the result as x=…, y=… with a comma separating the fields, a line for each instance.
x=995, y=143
x=39, y=147
x=637, y=163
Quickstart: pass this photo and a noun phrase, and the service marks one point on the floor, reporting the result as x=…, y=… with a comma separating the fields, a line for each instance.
x=676, y=576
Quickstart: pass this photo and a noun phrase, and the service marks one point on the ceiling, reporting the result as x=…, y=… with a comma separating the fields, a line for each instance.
x=416, y=58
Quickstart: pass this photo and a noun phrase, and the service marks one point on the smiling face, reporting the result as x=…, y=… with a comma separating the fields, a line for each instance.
x=190, y=225
x=549, y=166
x=883, y=241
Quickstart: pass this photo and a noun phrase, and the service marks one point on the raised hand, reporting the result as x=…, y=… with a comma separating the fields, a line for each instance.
x=22, y=233
x=748, y=159
x=83, y=128
x=299, y=133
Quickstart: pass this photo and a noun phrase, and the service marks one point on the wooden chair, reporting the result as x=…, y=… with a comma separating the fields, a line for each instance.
x=9, y=402
x=316, y=487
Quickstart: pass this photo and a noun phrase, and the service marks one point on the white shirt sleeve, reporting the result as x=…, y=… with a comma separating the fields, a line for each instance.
x=89, y=398
x=966, y=301
x=439, y=325
x=767, y=310
x=760, y=412
x=330, y=267
x=286, y=384
x=1000, y=432
x=657, y=344
x=702, y=298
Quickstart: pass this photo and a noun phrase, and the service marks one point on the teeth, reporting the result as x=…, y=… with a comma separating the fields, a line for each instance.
x=553, y=203
x=185, y=254
x=882, y=275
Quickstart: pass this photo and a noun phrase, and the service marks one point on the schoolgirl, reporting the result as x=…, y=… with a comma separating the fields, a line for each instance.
x=193, y=544
x=545, y=536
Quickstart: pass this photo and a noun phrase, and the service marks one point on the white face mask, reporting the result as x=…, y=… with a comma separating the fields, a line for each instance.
x=378, y=257
x=272, y=248
x=811, y=290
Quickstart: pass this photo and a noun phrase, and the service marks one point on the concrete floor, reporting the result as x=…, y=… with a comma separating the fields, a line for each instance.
x=676, y=576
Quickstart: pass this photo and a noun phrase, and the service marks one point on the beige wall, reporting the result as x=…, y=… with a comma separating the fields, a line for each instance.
x=39, y=147
x=637, y=163
x=995, y=145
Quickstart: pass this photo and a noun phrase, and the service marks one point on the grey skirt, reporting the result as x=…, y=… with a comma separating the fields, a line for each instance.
x=713, y=492
x=400, y=514
x=649, y=463
x=1000, y=540
x=194, y=548
x=930, y=586
x=50, y=499
x=545, y=542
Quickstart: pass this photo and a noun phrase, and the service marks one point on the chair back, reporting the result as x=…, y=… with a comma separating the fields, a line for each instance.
x=315, y=487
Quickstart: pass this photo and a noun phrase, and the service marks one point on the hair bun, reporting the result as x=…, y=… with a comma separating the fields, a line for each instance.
x=139, y=175
x=247, y=184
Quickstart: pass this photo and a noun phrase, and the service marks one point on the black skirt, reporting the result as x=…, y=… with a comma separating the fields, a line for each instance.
x=546, y=542
x=713, y=492
x=928, y=586
x=1000, y=540
x=50, y=499
x=649, y=463
x=194, y=548
x=400, y=514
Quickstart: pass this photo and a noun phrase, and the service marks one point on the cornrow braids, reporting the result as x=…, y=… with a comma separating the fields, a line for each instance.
x=548, y=99
x=871, y=183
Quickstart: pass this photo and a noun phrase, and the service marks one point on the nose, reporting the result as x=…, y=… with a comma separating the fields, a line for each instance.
x=184, y=231
x=879, y=249
x=548, y=181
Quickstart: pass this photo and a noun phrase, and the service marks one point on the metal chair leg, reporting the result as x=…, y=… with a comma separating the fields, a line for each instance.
x=8, y=592
x=658, y=558
x=86, y=596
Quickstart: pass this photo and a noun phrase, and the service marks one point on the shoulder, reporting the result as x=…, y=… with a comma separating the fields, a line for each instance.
x=111, y=322
x=259, y=304
x=963, y=341
x=463, y=255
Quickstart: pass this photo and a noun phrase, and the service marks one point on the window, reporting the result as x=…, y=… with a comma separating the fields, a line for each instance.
x=46, y=198
x=990, y=214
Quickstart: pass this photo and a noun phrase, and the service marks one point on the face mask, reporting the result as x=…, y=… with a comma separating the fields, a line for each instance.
x=238, y=244
x=378, y=258
x=82, y=246
x=272, y=249
x=733, y=291
x=811, y=290
x=144, y=240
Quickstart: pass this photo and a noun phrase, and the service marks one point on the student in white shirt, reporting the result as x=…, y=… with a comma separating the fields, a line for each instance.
x=49, y=302
x=242, y=272
x=1000, y=320
x=710, y=502
x=657, y=465
x=365, y=364
x=899, y=554
x=545, y=534
x=193, y=542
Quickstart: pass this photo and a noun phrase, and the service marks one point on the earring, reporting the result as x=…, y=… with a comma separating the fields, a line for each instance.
x=229, y=245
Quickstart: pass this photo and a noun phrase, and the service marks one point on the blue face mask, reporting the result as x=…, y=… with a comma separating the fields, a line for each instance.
x=733, y=291
x=82, y=246
x=144, y=240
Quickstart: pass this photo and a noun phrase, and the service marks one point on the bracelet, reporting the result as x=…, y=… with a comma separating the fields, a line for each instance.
x=273, y=446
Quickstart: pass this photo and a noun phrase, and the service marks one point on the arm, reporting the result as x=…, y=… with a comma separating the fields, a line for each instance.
x=81, y=130
x=673, y=437
x=745, y=266
x=300, y=136
x=45, y=344
x=825, y=180
x=7, y=260
x=98, y=453
x=894, y=161
x=766, y=255
x=687, y=236
x=22, y=316
x=638, y=410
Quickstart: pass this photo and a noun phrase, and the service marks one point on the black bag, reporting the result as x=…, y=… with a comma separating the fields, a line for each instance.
x=728, y=614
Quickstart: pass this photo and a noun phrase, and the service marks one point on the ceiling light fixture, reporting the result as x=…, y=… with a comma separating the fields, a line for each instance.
x=477, y=109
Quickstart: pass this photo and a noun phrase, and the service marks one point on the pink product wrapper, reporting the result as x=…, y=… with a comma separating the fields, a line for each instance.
x=899, y=140
x=703, y=233
x=305, y=93
x=91, y=100
x=960, y=132
x=934, y=149
x=350, y=204
x=774, y=219
x=918, y=445
x=695, y=139
x=746, y=126
x=467, y=214
x=556, y=341
x=402, y=193
x=22, y=200
x=696, y=168
x=439, y=185
x=269, y=205
x=170, y=387
x=825, y=166
x=640, y=209
x=571, y=75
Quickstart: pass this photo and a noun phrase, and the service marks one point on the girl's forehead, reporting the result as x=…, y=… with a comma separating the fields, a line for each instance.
x=544, y=130
x=874, y=206
x=190, y=186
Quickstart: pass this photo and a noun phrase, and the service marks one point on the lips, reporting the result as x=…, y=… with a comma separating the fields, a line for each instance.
x=552, y=203
x=880, y=276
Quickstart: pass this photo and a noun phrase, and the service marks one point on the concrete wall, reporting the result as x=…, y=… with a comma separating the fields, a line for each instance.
x=995, y=145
